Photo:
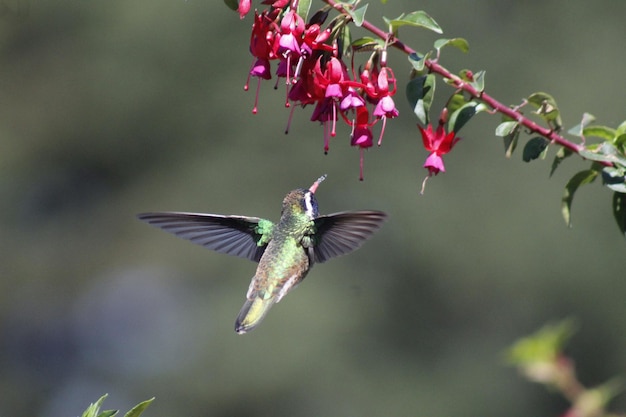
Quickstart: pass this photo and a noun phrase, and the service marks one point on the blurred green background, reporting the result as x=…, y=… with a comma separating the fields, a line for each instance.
x=110, y=108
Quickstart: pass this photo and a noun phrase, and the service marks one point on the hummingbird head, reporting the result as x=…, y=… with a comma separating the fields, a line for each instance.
x=303, y=201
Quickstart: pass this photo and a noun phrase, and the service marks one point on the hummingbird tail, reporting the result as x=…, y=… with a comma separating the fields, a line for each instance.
x=252, y=313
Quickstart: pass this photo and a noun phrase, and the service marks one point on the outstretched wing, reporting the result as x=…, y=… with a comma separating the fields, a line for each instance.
x=246, y=237
x=341, y=233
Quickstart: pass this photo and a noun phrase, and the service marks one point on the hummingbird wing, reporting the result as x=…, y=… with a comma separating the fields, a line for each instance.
x=242, y=236
x=341, y=233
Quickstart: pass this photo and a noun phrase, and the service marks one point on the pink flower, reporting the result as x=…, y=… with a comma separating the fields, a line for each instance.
x=378, y=91
x=325, y=112
x=351, y=100
x=244, y=8
x=291, y=31
x=263, y=47
x=386, y=108
x=438, y=143
x=361, y=134
x=261, y=69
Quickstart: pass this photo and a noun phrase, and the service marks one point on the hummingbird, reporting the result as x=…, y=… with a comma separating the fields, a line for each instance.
x=285, y=251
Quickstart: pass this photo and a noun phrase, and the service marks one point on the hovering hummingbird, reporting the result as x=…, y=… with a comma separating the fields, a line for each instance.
x=285, y=251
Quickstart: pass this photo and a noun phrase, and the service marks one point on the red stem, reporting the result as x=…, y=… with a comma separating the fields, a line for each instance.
x=499, y=107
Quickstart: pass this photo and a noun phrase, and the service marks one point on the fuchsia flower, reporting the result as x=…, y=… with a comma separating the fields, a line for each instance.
x=385, y=108
x=263, y=37
x=263, y=47
x=375, y=83
x=314, y=38
x=438, y=143
x=291, y=30
x=361, y=134
x=327, y=89
x=310, y=60
x=244, y=8
x=351, y=100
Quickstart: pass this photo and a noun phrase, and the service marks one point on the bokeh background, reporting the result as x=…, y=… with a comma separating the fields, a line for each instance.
x=110, y=108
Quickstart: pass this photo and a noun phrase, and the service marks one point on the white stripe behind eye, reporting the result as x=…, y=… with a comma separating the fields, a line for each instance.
x=308, y=204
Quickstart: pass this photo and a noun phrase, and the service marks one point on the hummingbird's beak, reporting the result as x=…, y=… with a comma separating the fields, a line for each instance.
x=316, y=184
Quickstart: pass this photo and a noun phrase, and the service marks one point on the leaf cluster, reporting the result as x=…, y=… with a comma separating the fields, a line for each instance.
x=607, y=155
x=94, y=409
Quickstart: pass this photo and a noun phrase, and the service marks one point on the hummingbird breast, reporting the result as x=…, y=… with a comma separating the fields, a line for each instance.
x=281, y=268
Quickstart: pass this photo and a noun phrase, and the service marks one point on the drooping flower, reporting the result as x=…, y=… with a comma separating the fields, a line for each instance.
x=361, y=134
x=263, y=46
x=291, y=31
x=378, y=91
x=263, y=38
x=261, y=69
x=438, y=143
x=314, y=38
x=325, y=113
x=351, y=100
x=328, y=88
x=244, y=8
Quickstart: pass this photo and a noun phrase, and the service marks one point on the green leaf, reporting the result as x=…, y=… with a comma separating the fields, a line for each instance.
x=593, y=154
x=534, y=148
x=139, y=408
x=456, y=102
x=506, y=128
x=546, y=108
x=344, y=41
x=545, y=345
x=94, y=408
x=476, y=80
x=540, y=99
x=510, y=143
x=366, y=44
x=358, y=15
x=418, y=18
x=617, y=157
x=458, y=43
x=420, y=92
x=463, y=114
x=509, y=131
x=620, y=142
x=418, y=61
x=605, y=152
x=602, y=132
x=232, y=4
x=578, y=129
x=619, y=211
x=479, y=81
x=614, y=178
x=561, y=154
x=621, y=129
x=303, y=9
x=579, y=179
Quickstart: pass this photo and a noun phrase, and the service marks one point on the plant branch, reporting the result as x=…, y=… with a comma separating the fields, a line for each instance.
x=460, y=84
